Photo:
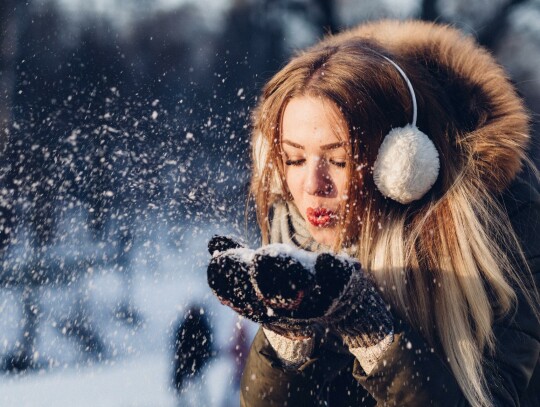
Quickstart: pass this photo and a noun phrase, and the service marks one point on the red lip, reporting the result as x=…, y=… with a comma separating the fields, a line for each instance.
x=321, y=217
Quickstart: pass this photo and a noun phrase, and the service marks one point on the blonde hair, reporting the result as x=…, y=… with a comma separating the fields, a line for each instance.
x=443, y=261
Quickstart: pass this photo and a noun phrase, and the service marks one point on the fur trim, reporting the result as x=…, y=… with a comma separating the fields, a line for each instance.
x=496, y=142
x=407, y=165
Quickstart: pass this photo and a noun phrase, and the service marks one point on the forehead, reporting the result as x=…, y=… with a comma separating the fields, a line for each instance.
x=312, y=121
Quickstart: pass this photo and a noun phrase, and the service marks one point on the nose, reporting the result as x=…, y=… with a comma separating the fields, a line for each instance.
x=318, y=180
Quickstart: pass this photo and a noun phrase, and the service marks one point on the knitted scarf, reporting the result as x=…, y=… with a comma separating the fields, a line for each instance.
x=288, y=226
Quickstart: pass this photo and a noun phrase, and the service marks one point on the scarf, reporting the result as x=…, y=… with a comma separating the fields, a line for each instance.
x=288, y=226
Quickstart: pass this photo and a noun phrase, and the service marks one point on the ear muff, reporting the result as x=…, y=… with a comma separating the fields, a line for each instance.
x=407, y=163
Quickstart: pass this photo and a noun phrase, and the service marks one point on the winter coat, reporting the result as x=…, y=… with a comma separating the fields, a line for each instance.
x=411, y=373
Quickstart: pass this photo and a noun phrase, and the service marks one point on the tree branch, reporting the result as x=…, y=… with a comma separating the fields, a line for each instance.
x=494, y=30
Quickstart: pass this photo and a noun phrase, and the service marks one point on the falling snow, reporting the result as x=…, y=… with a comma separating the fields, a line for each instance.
x=127, y=149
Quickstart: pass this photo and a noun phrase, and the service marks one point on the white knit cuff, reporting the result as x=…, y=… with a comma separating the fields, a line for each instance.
x=368, y=357
x=292, y=352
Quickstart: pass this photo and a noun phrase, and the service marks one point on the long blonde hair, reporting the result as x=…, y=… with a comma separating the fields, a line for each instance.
x=443, y=261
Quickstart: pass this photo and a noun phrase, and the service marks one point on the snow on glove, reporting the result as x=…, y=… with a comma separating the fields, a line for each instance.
x=230, y=276
x=330, y=290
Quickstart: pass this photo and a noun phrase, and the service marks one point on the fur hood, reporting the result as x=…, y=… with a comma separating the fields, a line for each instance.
x=493, y=122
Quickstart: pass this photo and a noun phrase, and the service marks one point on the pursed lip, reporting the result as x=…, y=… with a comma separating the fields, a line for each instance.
x=321, y=217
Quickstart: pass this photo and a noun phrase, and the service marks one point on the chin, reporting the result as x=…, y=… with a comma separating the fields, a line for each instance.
x=324, y=236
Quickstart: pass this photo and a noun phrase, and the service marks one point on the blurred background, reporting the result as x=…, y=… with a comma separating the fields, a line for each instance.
x=124, y=146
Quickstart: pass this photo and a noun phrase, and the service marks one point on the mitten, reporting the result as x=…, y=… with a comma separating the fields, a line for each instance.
x=330, y=290
x=230, y=276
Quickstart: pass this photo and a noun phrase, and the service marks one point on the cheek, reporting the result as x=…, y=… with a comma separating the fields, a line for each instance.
x=340, y=181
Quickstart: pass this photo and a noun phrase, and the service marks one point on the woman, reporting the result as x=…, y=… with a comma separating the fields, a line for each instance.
x=390, y=165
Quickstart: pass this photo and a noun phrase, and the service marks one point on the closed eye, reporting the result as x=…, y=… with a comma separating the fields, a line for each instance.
x=295, y=162
x=340, y=164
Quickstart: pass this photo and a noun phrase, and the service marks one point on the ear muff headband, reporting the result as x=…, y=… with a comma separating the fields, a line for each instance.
x=409, y=85
x=407, y=163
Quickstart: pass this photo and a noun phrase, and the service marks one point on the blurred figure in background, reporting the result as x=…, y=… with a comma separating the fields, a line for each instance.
x=193, y=349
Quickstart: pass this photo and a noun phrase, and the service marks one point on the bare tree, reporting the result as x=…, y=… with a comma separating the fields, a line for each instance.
x=495, y=29
x=488, y=34
x=328, y=18
x=8, y=52
x=428, y=10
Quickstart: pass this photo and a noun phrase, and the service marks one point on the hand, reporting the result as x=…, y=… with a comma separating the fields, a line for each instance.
x=329, y=290
x=291, y=291
x=230, y=276
x=222, y=243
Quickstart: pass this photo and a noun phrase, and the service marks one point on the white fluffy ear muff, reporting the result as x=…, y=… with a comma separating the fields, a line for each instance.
x=407, y=163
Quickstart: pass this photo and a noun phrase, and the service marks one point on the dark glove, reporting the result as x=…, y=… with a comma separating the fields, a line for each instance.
x=230, y=276
x=291, y=291
x=334, y=293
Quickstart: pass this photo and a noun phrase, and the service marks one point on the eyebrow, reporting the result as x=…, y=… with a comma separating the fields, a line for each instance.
x=326, y=147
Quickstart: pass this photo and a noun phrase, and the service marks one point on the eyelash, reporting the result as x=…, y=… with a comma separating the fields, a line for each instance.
x=297, y=163
x=294, y=162
x=340, y=164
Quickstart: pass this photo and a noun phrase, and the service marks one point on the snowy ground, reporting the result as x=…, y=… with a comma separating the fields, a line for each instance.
x=137, y=369
x=135, y=382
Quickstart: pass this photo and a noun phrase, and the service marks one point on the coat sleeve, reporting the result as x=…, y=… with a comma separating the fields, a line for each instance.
x=265, y=382
x=412, y=374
